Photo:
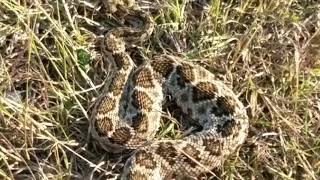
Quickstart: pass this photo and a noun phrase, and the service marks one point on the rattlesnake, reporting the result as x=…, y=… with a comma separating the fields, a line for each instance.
x=127, y=114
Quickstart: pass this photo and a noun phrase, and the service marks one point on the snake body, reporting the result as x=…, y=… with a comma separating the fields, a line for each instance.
x=127, y=114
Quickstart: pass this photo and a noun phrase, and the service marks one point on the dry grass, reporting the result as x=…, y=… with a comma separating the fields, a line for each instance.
x=268, y=51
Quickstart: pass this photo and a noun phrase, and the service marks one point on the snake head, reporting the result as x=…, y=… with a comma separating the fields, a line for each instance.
x=113, y=44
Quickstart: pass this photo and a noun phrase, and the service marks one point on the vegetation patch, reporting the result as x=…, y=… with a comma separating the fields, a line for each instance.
x=51, y=73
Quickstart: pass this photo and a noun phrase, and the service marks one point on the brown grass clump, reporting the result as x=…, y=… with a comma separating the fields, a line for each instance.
x=50, y=73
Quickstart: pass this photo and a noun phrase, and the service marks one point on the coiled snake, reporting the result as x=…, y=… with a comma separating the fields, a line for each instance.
x=127, y=114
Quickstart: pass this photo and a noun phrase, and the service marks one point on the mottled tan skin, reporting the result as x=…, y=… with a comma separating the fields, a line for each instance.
x=127, y=114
